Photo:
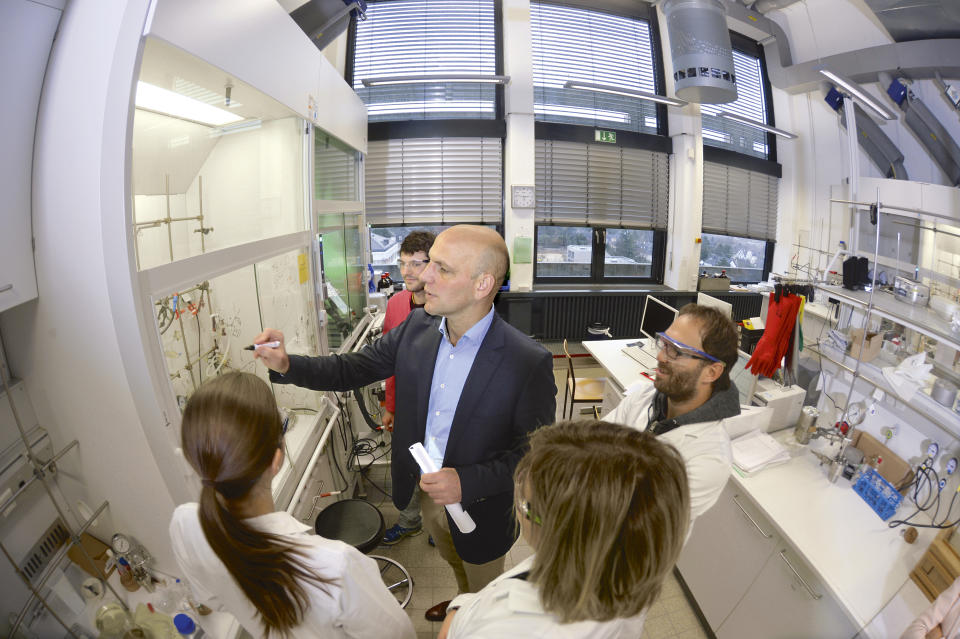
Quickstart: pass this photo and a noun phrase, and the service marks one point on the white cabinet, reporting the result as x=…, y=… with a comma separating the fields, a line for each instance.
x=612, y=396
x=28, y=34
x=749, y=582
x=786, y=601
x=729, y=545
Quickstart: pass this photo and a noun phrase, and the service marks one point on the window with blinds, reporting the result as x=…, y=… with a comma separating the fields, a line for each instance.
x=426, y=37
x=434, y=181
x=751, y=103
x=335, y=169
x=571, y=43
x=601, y=185
x=739, y=202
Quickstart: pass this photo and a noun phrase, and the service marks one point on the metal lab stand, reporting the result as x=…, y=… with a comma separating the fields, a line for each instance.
x=44, y=472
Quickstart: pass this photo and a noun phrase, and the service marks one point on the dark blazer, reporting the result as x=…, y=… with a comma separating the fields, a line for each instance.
x=509, y=392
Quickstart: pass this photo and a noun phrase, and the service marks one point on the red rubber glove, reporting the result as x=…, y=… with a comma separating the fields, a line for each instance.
x=775, y=341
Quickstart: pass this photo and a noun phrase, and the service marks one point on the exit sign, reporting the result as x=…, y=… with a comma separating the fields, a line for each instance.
x=605, y=136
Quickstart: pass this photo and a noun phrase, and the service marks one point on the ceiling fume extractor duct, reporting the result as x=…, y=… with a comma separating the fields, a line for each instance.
x=700, y=49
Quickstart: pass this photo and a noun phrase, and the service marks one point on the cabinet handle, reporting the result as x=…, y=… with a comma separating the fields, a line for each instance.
x=752, y=520
x=810, y=590
x=5, y=288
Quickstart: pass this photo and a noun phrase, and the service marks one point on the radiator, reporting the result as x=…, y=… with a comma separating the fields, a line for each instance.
x=563, y=316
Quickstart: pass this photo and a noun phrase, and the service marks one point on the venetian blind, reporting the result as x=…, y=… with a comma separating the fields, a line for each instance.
x=434, y=181
x=580, y=183
x=426, y=37
x=750, y=103
x=571, y=43
x=739, y=202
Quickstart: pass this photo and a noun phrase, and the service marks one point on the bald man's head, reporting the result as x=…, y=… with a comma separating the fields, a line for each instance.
x=485, y=247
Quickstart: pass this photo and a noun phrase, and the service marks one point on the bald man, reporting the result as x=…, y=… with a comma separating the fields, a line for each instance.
x=480, y=385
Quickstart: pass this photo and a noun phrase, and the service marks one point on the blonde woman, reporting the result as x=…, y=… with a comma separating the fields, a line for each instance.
x=238, y=552
x=606, y=509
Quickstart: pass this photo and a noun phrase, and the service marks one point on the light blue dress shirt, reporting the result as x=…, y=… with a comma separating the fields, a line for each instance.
x=449, y=375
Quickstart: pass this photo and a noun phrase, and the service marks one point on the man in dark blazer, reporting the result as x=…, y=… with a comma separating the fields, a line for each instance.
x=480, y=386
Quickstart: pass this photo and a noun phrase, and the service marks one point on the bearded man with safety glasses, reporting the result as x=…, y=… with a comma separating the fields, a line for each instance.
x=690, y=398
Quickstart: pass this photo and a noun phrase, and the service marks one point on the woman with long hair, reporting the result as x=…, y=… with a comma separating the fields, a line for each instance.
x=264, y=566
x=605, y=509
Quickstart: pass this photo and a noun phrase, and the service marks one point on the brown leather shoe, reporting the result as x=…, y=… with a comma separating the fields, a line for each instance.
x=439, y=612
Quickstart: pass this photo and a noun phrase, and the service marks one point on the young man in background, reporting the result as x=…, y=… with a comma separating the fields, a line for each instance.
x=413, y=260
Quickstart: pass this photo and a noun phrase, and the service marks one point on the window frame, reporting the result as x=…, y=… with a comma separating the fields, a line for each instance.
x=598, y=254
x=769, y=247
x=497, y=227
x=467, y=127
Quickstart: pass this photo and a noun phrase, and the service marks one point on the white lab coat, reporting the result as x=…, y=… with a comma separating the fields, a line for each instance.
x=705, y=448
x=358, y=605
x=509, y=608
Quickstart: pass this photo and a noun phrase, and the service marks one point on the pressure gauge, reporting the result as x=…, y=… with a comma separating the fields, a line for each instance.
x=951, y=465
x=120, y=544
x=933, y=449
x=856, y=413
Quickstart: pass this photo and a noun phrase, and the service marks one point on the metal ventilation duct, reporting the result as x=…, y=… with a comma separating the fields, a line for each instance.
x=700, y=50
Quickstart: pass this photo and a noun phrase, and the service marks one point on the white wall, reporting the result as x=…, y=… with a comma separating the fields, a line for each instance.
x=82, y=346
x=817, y=164
x=65, y=345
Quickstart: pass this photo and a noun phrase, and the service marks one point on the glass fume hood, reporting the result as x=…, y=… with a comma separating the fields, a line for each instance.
x=215, y=163
x=225, y=239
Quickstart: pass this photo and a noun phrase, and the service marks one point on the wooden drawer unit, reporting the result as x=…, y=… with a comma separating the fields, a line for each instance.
x=939, y=566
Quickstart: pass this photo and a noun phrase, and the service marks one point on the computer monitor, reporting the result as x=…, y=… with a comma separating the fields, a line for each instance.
x=744, y=380
x=708, y=300
x=657, y=317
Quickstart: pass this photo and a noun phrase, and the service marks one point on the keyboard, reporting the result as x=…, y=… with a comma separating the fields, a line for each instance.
x=640, y=355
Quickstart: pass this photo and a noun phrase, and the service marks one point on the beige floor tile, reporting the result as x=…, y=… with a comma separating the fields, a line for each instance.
x=684, y=620
x=422, y=597
x=658, y=627
x=420, y=624
x=442, y=593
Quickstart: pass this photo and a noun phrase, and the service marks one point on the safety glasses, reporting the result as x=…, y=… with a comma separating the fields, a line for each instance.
x=675, y=350
x=524, y=508
x=412, y=264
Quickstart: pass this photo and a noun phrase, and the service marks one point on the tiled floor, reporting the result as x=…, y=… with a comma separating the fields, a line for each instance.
x=670, y=617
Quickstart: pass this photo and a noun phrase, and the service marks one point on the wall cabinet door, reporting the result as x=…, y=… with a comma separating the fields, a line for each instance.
x=787, y=601
x=24, y=50
x=728, y=547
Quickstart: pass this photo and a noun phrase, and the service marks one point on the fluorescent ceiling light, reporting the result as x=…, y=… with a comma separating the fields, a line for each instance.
x=153, y=98
x=859, y=93
x=239, y=127
x=630, y=93
x=757, y=125
x=471, y=78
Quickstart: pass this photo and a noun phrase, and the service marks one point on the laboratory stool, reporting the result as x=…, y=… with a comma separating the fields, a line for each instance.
x=359, y=523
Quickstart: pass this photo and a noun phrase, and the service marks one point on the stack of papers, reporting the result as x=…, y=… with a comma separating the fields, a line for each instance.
x=755, y=451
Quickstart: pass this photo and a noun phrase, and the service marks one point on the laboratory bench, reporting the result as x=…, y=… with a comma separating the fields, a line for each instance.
x=786, y=553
